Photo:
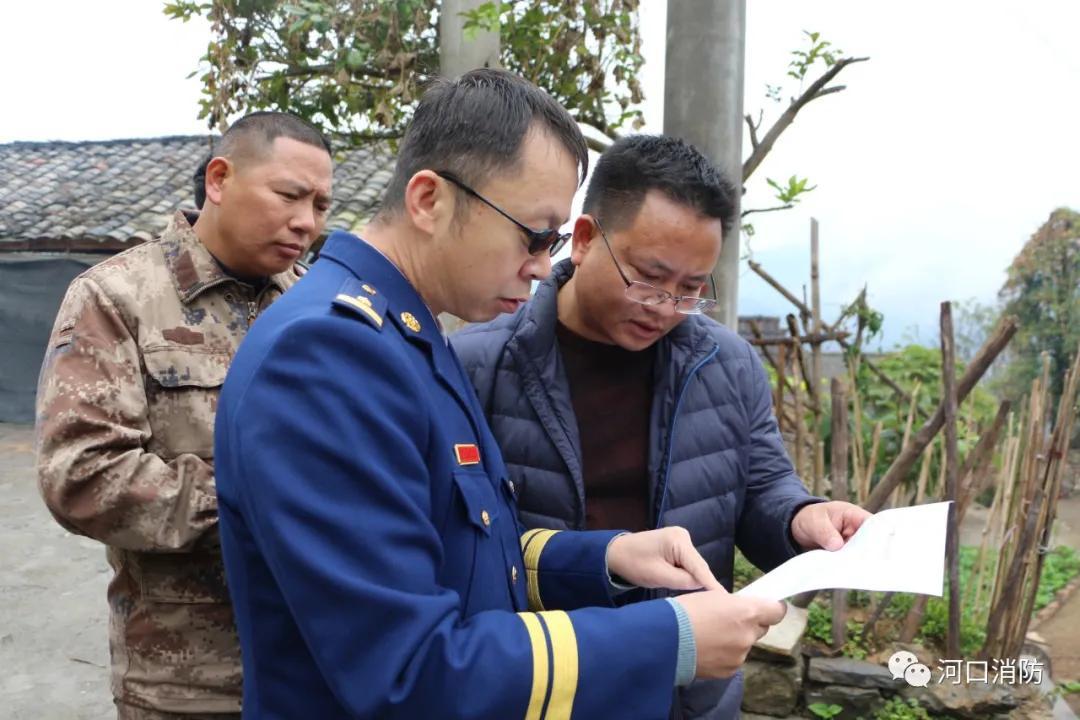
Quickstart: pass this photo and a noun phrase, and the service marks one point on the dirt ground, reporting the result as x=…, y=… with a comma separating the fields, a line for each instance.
x=1062, y=630
x=53, y=630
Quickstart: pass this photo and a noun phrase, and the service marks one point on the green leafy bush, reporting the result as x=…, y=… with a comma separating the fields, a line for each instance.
x=819, y=622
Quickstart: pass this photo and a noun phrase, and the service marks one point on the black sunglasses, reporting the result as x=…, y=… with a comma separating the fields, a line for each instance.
x=551, y=241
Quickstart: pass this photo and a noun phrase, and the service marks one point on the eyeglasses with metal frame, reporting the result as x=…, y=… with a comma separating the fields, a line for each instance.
x=646, y=294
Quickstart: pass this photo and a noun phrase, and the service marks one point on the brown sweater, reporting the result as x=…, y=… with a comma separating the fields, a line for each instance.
x=611, y=390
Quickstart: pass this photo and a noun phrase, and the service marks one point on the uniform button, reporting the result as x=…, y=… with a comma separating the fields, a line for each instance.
x=513, y=573
x=485, y=518
x=513, y=489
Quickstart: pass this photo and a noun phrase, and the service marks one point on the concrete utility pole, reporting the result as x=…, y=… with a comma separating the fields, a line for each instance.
x=458, y=54
x=703, y=104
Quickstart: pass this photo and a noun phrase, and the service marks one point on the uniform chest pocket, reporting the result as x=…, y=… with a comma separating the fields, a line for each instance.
x=182, y=391
x=478, y=497
x=476, y=566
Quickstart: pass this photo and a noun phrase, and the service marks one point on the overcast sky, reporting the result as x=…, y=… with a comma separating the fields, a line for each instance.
x=947, y=150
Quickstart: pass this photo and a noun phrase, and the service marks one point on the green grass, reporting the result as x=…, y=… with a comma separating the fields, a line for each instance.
x=1060, y=566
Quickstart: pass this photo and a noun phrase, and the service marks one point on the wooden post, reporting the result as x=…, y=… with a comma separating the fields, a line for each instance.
x=781, y=384
x=800, y=434
x=924, y=475
x=871, y=463
x=815, y=303
x=952, y=545
x=914, y=619
x=839, y=472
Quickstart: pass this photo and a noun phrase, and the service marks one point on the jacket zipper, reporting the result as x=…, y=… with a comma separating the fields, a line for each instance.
x=671, y=432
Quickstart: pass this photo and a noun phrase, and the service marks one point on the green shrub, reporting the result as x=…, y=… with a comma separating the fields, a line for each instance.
x=935, y=625
x=819, y=622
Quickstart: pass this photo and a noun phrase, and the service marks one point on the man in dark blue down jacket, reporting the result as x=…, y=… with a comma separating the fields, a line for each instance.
x=618, y=404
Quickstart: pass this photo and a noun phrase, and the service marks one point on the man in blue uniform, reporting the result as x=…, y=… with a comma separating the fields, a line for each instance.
x=369, y=529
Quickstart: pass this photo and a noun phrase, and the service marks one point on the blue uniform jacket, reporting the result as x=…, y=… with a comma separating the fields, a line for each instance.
x=371, y=539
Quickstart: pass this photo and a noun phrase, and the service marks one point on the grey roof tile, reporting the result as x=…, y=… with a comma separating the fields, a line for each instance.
x=125, y=190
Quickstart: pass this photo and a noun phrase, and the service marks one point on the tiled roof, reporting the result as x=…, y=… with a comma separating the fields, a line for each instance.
x=112, y=194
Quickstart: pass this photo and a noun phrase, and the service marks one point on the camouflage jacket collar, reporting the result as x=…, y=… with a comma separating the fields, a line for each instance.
x=191, y=265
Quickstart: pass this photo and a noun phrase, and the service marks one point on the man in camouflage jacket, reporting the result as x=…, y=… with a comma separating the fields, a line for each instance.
x=126, y=404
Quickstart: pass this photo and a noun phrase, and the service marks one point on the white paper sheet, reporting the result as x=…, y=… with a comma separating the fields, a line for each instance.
x=900, y=550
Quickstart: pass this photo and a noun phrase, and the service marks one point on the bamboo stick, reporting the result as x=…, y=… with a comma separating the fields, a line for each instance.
x=839, y=473
x=977, y=462
x=804, y=370
x=894, y=499
x=814, y=384
x=800, y=436
x=1057, y=449
x=857, y=452
x=875, y=446
x=835, y=336
x=819, y=464
x=988, y=526
x=781, y=384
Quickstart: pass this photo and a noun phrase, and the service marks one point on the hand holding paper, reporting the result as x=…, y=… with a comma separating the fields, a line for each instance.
x=827, y=525
x=900, y=550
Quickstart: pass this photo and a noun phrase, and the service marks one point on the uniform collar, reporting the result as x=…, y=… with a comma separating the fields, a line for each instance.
x=367, y=263
x=414, y=320
x=192, y=267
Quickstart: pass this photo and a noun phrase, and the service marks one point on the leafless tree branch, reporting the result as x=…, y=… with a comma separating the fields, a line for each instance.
x=765, y=210
x=817, y=89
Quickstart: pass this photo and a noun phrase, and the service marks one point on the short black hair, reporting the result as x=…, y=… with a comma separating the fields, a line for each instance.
x=636, y=164
x=198, y=181
x=474, y=127
x=263, y=128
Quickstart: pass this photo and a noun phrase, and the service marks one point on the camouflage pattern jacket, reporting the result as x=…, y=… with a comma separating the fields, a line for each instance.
x=125, y=418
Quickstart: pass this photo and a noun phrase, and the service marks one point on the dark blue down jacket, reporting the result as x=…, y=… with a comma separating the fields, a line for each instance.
x=717, y=465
